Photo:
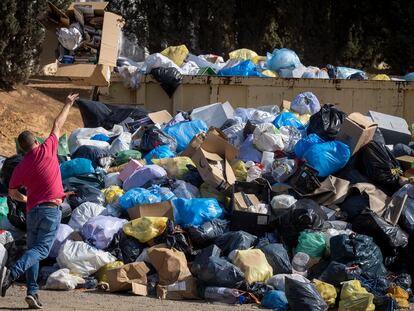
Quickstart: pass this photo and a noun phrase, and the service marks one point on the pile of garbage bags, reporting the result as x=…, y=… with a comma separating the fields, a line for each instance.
x=300, y=209
x=169, y=65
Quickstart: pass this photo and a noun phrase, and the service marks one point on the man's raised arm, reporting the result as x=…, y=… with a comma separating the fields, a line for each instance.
x=63, y=115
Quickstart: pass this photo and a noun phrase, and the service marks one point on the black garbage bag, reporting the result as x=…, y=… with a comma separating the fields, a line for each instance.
x=203, y=235
x=17, y=214
x=389, y=238
x=8, y=167
x=169, y=79
x=404, y=281
x=379, y=164
x=358, y=249
x=96, y=114
x=125, y=248
x=153, y=137
x=201, y=259
x=95, y=180
x=234, y=240
x=336, y=273
x=193, y=176
x=258, y=289
x=93, y=153
x=86, y=193
x=326, y=123
x=304, y=214
x=303, y=296
x=175, y=237
x=15, y=250
x=276, y=256
x=354, y=204
x=220, y=272
x=384, y=303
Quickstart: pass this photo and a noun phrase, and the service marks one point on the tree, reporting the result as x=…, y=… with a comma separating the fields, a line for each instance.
x=21, y=35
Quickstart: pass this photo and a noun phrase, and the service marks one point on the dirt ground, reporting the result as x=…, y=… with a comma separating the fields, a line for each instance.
x=95, y=300
x=28, y=109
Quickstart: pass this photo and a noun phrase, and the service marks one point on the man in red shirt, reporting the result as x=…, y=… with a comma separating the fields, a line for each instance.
x=39, y=174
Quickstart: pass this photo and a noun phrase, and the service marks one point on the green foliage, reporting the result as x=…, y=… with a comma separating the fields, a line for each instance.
x=21, y=35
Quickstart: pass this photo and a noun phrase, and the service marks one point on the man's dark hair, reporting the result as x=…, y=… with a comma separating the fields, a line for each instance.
x=26, y=141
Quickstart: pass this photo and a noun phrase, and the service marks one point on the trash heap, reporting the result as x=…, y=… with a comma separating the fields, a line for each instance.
x=299, y=207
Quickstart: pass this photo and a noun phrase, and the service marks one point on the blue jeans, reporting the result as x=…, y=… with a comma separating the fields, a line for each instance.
x=42, y=224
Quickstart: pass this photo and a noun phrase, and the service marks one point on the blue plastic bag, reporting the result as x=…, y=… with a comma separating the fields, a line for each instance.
x=195, y=212
x=184, y=132
x=288, y=119
x=248, y=151
x=283, y=59
x=305, y=103
x=276, y=300
x=159, y=152
x=138, y=196
x=163, y=193
x=305, y=143
x=409, y=76
x=245, y=69
x=76, y=167
x=101, y=137
x=328, y=158
x=345, y=72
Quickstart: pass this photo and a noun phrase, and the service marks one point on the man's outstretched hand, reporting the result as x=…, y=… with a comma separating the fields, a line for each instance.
x=72, y=98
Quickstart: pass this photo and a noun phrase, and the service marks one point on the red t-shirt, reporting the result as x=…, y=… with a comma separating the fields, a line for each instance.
x=39, y=173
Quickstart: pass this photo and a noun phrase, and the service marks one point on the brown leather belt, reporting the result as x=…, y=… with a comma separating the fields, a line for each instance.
x=50, y=204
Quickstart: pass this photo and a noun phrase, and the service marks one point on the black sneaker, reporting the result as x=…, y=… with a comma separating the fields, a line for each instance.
x=5, y=281
x=33, y=301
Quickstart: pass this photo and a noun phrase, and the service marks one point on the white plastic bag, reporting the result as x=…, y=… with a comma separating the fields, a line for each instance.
x=278, y=281
x=83, y=213
x=157, y=60
x=81, y=258
x=62, y=234
x=235, y=135
x=99, y=231
x=190, y=68
x=290, y=136
x=63, y=280
x=71, y=37
x=282, y=202
x=3, y=256
x=267, y=138
x=112, y=179
x=121, y=143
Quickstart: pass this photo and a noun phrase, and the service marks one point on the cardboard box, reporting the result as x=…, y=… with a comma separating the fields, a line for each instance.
x=212, y=155
x=124, y=278
x=214, y=115
x=406, y=162
x=240, y=203
x=91, y=74
x=129, y=169
x=356, y=131
x=186, y=289
x=394, y=129
x=254, y=223
x=161, y=209
x=160, y=117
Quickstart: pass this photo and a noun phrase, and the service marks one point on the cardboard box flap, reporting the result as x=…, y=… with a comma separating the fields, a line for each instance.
x=214, y=143
x=57, y=15
x=111, y=34
x=97, y=6
x=161, y=209
x=160, y=117
x=211, y=156
x=89, y=74
x=230, y=176
x=361, y=120
x=286, y=104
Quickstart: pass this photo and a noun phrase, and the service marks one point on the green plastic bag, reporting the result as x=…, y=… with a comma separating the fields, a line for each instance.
x=311, y=243
x=126, y=155
x=63, y=148
x=4, y=208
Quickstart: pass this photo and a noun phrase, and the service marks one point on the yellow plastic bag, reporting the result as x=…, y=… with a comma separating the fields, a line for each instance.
x=101, y=273
x=145, y=229
x=258, y=58
x=254, y=265
x=400, y=296
x=240, y=170
x=112, y=194
x=355, y=298
x=176, y=53
x=381, y=77
x=327, y=291
x=175, y=167
x=242, y=54
x=270, y=73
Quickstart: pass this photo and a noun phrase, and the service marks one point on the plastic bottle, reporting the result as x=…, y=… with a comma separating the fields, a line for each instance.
x=267, y=160
x=222, y=294
x=300, y=264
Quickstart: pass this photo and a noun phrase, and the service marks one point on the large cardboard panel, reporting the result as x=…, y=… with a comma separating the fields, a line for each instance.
x=86, y=74
x=160, y=117
x=97, y=6
x=111, y=34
